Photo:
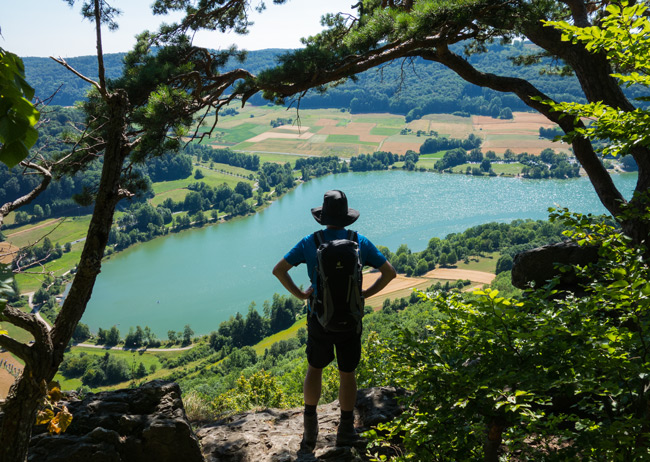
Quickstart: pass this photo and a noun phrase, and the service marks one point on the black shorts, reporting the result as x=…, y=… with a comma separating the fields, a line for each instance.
x=321, y=346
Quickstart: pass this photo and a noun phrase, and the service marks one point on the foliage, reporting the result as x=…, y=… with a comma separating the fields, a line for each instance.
x=432, y=145
x=95, y=370
x=552, y=376
x=319, y=166
x=260, y=390
x=227, y=156
x=624, y=37
x=57, y=417
x=18, y=116
x=548, y=165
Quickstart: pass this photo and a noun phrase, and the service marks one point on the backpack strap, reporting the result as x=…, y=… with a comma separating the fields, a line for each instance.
x=353, y=236
x=319, y=238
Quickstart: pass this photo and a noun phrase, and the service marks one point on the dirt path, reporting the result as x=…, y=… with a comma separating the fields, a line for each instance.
x=42, y=225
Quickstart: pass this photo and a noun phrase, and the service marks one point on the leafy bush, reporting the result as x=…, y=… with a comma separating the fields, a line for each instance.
x=553, y=376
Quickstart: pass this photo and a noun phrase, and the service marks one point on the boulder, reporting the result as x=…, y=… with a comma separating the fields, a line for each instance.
x=132, y=425
x=540, y=265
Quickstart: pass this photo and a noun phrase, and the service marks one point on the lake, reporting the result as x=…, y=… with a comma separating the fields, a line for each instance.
x=201, y=277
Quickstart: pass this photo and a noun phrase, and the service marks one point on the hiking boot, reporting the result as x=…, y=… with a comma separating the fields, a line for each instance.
x=310, y=433
x=346, y=435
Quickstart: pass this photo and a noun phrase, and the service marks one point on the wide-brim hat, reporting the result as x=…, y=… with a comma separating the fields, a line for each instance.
x=335, y=210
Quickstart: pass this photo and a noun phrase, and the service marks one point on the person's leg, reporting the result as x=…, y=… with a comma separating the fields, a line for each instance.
x=347, y=390
x=313, y=385
x=311, y=392
x=348, y=354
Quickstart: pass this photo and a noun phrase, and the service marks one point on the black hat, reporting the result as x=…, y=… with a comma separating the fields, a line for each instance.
x=335, y=210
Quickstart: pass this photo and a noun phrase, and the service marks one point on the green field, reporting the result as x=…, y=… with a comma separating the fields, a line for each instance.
x=385, y=120
x=177, y=195
x=487, y=263
x=210, y=177
x=282, y=335
x=239, y=133
x=61, y=231
x=32, y=279
x=384, y=131
x=277, y=158
x=343, y=138
x=500, y=169
x=228, y=169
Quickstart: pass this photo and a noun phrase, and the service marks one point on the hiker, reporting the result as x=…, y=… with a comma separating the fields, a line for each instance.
x=321, y=342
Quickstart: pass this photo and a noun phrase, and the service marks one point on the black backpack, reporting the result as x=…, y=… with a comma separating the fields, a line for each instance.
x=338, y=305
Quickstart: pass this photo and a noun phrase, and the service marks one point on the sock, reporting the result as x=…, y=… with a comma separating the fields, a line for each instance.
x=310, y=410
x=347, y=415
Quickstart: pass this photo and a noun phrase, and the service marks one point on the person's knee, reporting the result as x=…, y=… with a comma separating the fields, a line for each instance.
x=314, y=371
x=347, y=378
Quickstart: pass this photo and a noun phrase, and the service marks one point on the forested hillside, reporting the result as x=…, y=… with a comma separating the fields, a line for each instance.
x=411, y=88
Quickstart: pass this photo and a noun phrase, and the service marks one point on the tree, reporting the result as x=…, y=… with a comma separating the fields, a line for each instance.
x=427, y=29
x=245, y=189
x=113, y=336
x=140, y=115
x=187, y=335
x=81, y=332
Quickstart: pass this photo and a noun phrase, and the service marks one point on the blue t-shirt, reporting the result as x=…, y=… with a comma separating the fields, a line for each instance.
x=305, y=251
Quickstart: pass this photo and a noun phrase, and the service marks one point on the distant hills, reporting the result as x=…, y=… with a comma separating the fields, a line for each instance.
x=410, y=88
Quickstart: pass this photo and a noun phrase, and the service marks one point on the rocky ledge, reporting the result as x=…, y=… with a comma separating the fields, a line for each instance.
x=149, y=423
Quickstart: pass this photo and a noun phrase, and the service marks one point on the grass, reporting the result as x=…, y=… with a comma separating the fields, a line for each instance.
x=349, y=139
x=241, y=132
x=508, y=169
x=406, y=139
x=32, y=279
x=176, y=195
x=277, y=158
x=243, y=146
x=17, y=333
x=499, y=169
x=214, y=178
x=61, y=231
x=487, y=263
x=385, y=131
x=228, y=168
x=426, y=163
x=282, y=335
x=342, y=138
x=384, y=120
x=210, y=177
x=165, y=186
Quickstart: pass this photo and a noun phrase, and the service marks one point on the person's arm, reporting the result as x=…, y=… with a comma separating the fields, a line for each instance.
x=388, y=273
x=281, y=271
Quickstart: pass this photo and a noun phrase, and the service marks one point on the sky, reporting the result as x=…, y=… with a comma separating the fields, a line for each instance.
x=52, y=28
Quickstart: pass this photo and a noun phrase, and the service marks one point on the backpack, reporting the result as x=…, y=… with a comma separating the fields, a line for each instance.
x=338, y=305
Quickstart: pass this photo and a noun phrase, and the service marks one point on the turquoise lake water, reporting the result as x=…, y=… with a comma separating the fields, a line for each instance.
x=201, y=277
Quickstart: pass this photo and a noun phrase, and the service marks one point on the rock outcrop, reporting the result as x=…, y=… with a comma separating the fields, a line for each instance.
x=140, y=424
x=274, y=435
x=540, y=265
x=149, y=424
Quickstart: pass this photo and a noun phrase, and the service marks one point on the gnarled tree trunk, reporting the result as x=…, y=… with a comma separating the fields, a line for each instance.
x=42, y=358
